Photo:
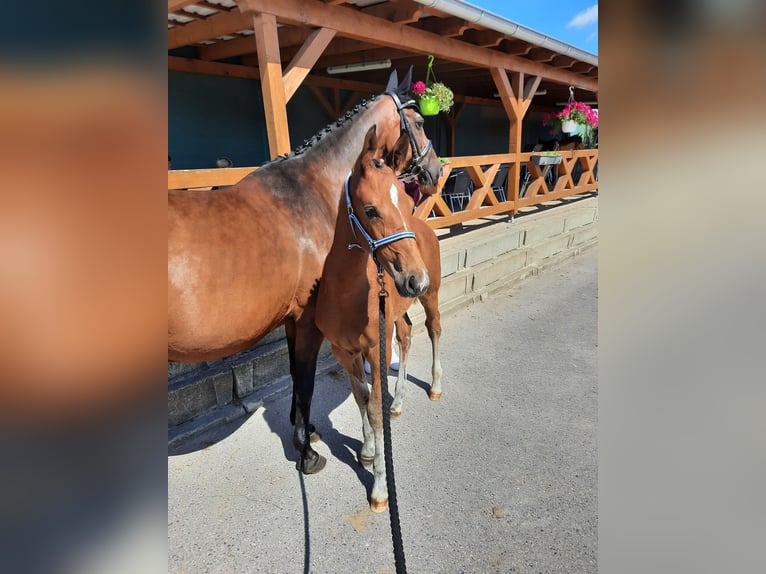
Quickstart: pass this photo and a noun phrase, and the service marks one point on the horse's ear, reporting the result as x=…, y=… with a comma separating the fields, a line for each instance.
x=393, y=80
x=404, y=87
x=370, y=140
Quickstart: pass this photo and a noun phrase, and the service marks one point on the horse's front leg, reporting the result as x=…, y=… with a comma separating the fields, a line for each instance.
x=354, y=367
x=430, y=302
x=304, y=350
x=379, y=496
x=404, y=340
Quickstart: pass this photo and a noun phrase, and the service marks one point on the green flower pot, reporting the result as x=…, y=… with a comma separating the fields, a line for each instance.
x=429, y=106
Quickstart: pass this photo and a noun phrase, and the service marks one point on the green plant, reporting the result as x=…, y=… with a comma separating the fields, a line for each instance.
x=436, y=90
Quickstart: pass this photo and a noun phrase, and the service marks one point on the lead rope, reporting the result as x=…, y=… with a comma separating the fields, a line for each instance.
x=388, y=455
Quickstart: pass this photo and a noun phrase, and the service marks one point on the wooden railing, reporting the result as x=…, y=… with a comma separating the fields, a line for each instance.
x=481, y=169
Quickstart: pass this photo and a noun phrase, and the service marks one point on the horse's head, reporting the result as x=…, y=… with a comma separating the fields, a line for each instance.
x=373, y=194
x=421, y=160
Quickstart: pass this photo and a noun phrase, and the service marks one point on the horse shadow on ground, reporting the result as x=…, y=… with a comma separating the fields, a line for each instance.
x=330, y=391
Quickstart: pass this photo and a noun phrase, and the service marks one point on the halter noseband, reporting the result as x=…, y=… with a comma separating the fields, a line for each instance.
x=373, y=243
x=414, y=169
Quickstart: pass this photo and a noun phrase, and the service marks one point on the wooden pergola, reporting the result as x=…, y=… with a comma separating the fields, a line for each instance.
x=286, y=44
x=289, y=43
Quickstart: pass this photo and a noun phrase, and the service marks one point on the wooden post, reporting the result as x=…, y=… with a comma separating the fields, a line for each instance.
x=516, y=105
x=272, y=86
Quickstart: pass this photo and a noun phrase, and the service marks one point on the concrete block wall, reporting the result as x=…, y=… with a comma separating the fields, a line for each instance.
x=484, y=260
x=486, y=257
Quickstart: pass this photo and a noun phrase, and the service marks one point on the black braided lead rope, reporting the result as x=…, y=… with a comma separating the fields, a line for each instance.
x=388, y=455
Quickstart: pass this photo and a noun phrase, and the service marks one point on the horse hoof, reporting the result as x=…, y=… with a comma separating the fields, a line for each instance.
x=309, y=467
x=378, y=505
x=396, y=414
x=315, y=436
x=434, y=396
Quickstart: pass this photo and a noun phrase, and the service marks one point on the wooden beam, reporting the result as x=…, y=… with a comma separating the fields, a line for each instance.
x=211, y=27
x=273, y=88
x=177, y=64
x=530, y=88
x=304, y=60
x=353, y=24
x=193, y=66
x=483, y=38
x=507, y=97
x=395, y=12
x=445, y=27
x=246, y=45
x=228, y=49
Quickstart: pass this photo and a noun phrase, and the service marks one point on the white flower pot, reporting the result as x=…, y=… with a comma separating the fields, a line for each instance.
x=569, y=127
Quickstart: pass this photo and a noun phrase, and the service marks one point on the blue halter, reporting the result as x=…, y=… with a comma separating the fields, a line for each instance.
x=374, y=244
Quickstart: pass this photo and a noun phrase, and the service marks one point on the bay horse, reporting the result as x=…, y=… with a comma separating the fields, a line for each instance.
x=245, y=259
x=347, y=304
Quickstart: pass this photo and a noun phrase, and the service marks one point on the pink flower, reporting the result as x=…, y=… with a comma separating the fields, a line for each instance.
x=418, y=88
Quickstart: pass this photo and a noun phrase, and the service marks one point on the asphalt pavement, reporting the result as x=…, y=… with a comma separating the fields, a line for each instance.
x=500, y=475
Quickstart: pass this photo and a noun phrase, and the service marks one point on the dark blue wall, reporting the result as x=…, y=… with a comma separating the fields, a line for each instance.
x=212, y=116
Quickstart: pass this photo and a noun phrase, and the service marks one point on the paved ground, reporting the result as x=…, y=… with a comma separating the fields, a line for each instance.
x=498, y=476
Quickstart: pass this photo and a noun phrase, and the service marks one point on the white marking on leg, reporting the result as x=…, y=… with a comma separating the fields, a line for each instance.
x=362, y=398
x=436, y=366
x=379, y=488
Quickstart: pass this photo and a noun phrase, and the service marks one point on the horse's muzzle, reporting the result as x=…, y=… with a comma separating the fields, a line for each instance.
x=412, y=284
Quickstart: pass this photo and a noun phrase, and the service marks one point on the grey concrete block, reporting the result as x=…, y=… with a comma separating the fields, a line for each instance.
x=454, y=287
x=578, y=219
x=499, y=269
x=223, y=386
x=538, y=253
x=493, y=248
x=189, y=400
x=179, y=369
x=270, y=365
x=543, y=229
x=584, y=234
x=243, y=379
x=452, y=262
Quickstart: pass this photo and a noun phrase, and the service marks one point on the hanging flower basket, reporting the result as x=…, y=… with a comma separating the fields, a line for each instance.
x=432, y=96
x=429, y=106
x=569, y=119
x=569, y=126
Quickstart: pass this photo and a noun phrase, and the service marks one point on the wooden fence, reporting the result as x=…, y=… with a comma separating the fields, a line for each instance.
x=526, y=184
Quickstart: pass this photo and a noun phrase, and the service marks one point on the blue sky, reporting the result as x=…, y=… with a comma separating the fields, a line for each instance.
x=572, y=21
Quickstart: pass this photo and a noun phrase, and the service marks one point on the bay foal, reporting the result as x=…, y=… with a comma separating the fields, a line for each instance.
x=369, y=216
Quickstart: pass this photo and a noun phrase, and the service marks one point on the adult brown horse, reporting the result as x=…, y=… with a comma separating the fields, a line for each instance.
x=372, y=220
x=248, y=258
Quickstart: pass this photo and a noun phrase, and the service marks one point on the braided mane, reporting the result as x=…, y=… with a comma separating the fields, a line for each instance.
x=327, y=130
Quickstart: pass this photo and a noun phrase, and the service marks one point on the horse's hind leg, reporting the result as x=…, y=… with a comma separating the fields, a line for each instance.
x=290, y=335
x=404, y=337
x=306, y=341
x=430, y=302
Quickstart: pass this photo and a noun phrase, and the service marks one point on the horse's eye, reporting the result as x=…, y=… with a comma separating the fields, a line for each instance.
x=420, y=124
x=371, y=212
x=378, y=163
